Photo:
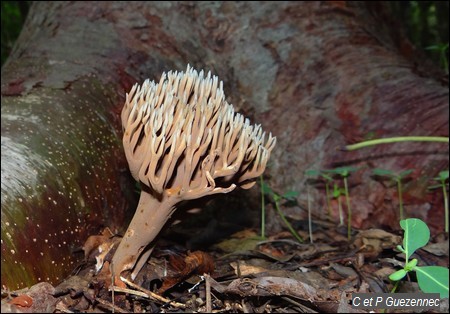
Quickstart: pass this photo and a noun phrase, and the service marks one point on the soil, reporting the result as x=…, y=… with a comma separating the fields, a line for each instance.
x=242, y=273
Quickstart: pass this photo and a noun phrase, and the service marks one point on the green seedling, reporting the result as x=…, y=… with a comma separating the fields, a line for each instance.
x=344, y=173
x=277, y=198
x=442, y=50
x=431, y=279
x=263, y=210
x=442, y=179
x=311, y=173
x=311, y=240
x=397, y=178
x=337, y=193
x=327, y=179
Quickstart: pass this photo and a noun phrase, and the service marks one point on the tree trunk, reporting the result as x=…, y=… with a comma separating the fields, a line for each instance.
x=319, y=75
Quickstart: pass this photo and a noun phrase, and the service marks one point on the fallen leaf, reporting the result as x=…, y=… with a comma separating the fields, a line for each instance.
x=43, y=299
x=373, y=241
x=244, y=269
x=245, y=240
x=93, y=242
x=438, y=249
x=194, y=263
x=267, y=286
x=22, y=300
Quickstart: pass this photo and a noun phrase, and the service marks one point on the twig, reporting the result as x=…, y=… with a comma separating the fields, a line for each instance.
x=152, y=295
x=301, y=306
x=109, y=305
x=208, y=293
x=132, y=292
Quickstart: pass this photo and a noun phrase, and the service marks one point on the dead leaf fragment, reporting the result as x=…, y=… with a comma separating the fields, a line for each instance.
x=194, y=263
x=438, y=249
x=93, y=242
x=373, y=241
x=22, y=300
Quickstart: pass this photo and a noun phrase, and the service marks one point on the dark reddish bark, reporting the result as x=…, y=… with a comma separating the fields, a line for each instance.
x=319, y=75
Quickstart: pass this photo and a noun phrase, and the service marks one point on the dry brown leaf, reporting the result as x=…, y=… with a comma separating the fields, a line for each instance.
x=199, y=263
x=93, y=242
x=194, y=263
x=244, y=269
x=22, y=300
x=42, y=299
x=267, y=286
x=438, y=249
x=373, y=241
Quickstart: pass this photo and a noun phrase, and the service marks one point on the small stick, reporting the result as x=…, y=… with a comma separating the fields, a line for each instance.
x=132, y=292
x=110, y=305
x=152, y=295
x=208, y=293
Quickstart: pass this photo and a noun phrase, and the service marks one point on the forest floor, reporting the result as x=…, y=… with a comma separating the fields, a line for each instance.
x=240, y=274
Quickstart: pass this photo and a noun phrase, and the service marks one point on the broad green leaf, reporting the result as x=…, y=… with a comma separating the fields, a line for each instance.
x=312, y=172
x=433, y=47
x=416, y=235
x=276, y=197
x=398, y=275
x=336, y=191
x=383, y=172
x=433, y=187
x=327, y=177
x=405, y=173
x=433, y=279
x=343, y=171
x=290, y=194
x=443, y=175
x=266, y=189
x=440, y=46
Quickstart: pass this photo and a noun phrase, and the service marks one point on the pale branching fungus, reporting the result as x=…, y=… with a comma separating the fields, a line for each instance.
x=183, y=141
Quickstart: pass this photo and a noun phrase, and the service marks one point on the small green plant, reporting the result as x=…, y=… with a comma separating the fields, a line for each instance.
x=390, y=140
x=277, y=198
x=263, y=210
x=327, y=179
x=431, y=279
x=397, y=178
x=311, y=239
x=442, y=50
x=344, y=173
x=337, y=193
x=442, y=179
x=309, y=173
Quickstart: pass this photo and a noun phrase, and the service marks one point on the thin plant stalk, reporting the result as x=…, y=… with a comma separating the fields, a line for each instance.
x=349, y=210
x=389, y=140
x=263, y=211
x=311, y=240
x=291, y=229
x=400, y=197
x=444, y=190
x=341, y=214
x=327, y=191
x=395, y=286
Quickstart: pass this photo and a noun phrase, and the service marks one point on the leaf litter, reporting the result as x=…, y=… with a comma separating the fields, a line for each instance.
x=241, y=274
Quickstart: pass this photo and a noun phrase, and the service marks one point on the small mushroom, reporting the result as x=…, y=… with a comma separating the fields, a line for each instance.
x=183, y=141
